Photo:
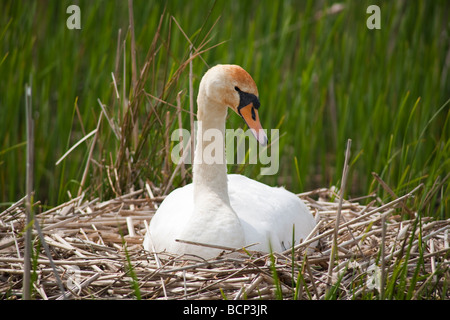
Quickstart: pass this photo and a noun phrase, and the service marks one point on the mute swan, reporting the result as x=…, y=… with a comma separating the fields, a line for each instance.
x=220, y=209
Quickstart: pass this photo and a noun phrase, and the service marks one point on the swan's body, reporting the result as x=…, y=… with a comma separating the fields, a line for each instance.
x=262, y=220
x=220, y=209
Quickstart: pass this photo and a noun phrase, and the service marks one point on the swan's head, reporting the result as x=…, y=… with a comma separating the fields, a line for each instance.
x=232, y=87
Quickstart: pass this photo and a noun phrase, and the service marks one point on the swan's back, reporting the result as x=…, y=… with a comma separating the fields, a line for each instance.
x=268, y=214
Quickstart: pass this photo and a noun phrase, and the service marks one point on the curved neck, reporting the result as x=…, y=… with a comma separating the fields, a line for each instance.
x=210, y=168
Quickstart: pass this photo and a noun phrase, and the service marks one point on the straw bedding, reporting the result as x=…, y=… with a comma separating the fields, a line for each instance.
x=97, y=252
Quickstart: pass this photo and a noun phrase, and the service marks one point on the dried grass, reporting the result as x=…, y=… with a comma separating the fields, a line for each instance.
x=96, y=247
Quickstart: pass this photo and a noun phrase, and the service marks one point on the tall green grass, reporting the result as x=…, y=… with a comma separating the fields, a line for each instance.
x=322, y=78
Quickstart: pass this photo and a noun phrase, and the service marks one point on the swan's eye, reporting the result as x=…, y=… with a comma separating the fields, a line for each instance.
x=237, y=89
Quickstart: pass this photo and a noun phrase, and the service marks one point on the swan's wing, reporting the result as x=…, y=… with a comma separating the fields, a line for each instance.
x=268, y=214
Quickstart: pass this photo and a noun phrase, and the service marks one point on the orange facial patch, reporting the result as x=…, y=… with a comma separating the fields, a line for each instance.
x=251, y=117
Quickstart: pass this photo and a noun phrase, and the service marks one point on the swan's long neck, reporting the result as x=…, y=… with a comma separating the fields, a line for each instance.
x=210, y=168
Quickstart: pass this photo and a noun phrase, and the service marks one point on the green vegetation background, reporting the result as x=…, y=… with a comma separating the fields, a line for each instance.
x=323, y=77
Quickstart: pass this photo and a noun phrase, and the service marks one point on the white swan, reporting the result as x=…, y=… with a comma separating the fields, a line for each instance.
x=220, y=209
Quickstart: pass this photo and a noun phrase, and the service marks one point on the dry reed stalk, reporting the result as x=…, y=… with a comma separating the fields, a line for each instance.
x=133, y=46
x=13, y=207
x=75, y=146
x=109, y=119
x=179, y=165
x=191, y=102
x=83, y=130
x=390, y=191
x=339, y=209
x=29, y=190
x=91, y=150
x=180, y=127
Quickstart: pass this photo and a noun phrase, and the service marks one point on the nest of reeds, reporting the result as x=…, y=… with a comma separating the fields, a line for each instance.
x=363, y=251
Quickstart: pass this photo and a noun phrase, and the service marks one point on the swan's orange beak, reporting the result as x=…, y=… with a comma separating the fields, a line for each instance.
x=251, y=117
